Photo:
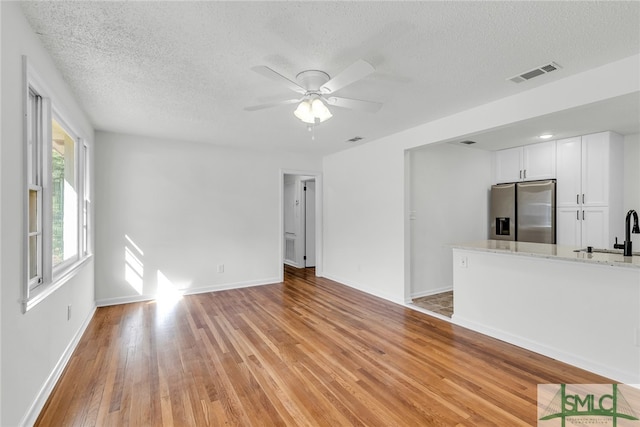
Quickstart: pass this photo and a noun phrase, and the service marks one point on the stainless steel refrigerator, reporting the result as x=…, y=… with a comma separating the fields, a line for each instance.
x=523, y=211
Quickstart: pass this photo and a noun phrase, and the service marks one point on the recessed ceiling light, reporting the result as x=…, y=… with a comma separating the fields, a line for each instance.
x=546, y=136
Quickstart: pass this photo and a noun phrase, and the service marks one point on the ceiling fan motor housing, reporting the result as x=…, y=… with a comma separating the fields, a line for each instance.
x=312, y=80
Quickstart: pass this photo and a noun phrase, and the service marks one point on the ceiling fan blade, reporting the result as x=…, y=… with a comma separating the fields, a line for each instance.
x=270, y=74
x=271, y=104
x=356, y=71
x=354, y=104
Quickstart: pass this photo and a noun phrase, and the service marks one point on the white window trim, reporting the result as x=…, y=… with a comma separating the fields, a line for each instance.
x=52, y=278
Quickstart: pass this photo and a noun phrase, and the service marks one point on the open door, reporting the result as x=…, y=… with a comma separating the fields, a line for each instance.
x=310, y=223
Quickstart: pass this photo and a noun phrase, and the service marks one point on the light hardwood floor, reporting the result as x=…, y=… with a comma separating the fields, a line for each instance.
x=308, y=351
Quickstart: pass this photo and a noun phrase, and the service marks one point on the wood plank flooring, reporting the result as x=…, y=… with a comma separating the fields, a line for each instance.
x=308, y=351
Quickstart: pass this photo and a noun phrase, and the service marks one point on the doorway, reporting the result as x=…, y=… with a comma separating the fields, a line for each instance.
x=301, y=220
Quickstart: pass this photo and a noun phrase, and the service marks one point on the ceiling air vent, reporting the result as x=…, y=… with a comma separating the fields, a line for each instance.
x=467, y=142
x=543, y=69
x=355, y=139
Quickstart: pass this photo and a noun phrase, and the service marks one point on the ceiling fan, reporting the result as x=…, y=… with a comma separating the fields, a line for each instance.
x=317, y=88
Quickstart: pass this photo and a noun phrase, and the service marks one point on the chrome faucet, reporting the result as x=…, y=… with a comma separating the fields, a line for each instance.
x=627, y=232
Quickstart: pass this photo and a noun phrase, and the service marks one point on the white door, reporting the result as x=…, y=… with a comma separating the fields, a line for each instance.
x=539, y=161
x=568, y=226
x=595, y=226
x=508, y=165
x=595, y=169
x=568, y=160
x=310, y=224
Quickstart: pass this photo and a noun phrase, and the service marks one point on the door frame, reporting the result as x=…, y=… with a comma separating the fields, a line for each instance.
x=318, y=179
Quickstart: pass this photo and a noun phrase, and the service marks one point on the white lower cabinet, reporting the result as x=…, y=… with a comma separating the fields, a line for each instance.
x=595, y=227
x=588, y=226
x=568, y=227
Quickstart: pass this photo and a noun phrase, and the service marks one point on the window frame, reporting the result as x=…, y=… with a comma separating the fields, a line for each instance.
x=36, y=107
x=39, y=155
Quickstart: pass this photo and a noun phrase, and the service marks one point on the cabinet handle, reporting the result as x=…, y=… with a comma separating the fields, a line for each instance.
x=577, y=199
x=520, y=173
x=583, y=198
x=583, y=215
x=578, y=215
x=525, y=174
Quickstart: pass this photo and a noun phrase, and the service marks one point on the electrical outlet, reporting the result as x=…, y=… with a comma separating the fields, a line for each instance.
x=220, y=268
x=69, y=312
x=464, y=262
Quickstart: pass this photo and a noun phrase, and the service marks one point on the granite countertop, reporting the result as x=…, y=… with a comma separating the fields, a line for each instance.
x=543, y=250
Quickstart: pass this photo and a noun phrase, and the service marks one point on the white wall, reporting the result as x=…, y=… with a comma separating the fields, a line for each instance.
x=631, y=196
x=34, y=343
x=363, y=219
x=365, y=230
x=186, y=208
x=449, y=195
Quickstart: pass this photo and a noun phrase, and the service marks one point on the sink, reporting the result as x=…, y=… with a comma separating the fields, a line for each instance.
x=606, y=251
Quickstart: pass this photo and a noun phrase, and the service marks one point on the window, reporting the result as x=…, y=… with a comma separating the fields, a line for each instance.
x=57, y=197
x=64, y=196
x=34, y=184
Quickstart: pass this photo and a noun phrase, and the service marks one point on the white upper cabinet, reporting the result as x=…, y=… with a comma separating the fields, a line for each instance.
x=539, y=161
x=528, y=163
x=585, y=169
x=596, y=152
x=508, y=165
x=569, y=172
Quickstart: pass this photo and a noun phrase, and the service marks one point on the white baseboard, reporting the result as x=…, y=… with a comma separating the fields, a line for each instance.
x=431, y=292
x=293, y=264
x=572, y=359
x=189, y=291
x=33, y=412
x=365, y=289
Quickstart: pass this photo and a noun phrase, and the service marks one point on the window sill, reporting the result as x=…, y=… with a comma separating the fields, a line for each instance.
x=46, y=290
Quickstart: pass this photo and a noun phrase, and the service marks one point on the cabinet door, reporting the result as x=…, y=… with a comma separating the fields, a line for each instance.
x=568, y=172
x=595, y=227
x=508, y=165
x=595, y=169
x=568, y=223
x=539, y=161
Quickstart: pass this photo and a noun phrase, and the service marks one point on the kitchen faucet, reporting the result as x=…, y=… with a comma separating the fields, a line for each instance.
x=627, y=232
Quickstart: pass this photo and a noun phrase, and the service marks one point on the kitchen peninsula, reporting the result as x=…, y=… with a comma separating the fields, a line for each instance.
x=577, y=307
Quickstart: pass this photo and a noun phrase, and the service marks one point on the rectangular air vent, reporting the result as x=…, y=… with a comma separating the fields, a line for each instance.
x=467, y=142
x=543, y=69
x=355, y=139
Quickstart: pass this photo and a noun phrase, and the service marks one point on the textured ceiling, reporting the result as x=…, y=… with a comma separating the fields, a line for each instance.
x=182, y=70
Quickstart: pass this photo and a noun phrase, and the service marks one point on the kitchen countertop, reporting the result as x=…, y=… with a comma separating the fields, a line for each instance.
x=543, y=250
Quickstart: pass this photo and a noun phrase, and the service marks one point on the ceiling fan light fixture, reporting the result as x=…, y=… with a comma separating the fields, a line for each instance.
x=303, y=112
x=312, y=110
x=319, y=110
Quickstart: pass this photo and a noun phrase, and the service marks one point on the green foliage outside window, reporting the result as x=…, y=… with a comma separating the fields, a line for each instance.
x=57, y=166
